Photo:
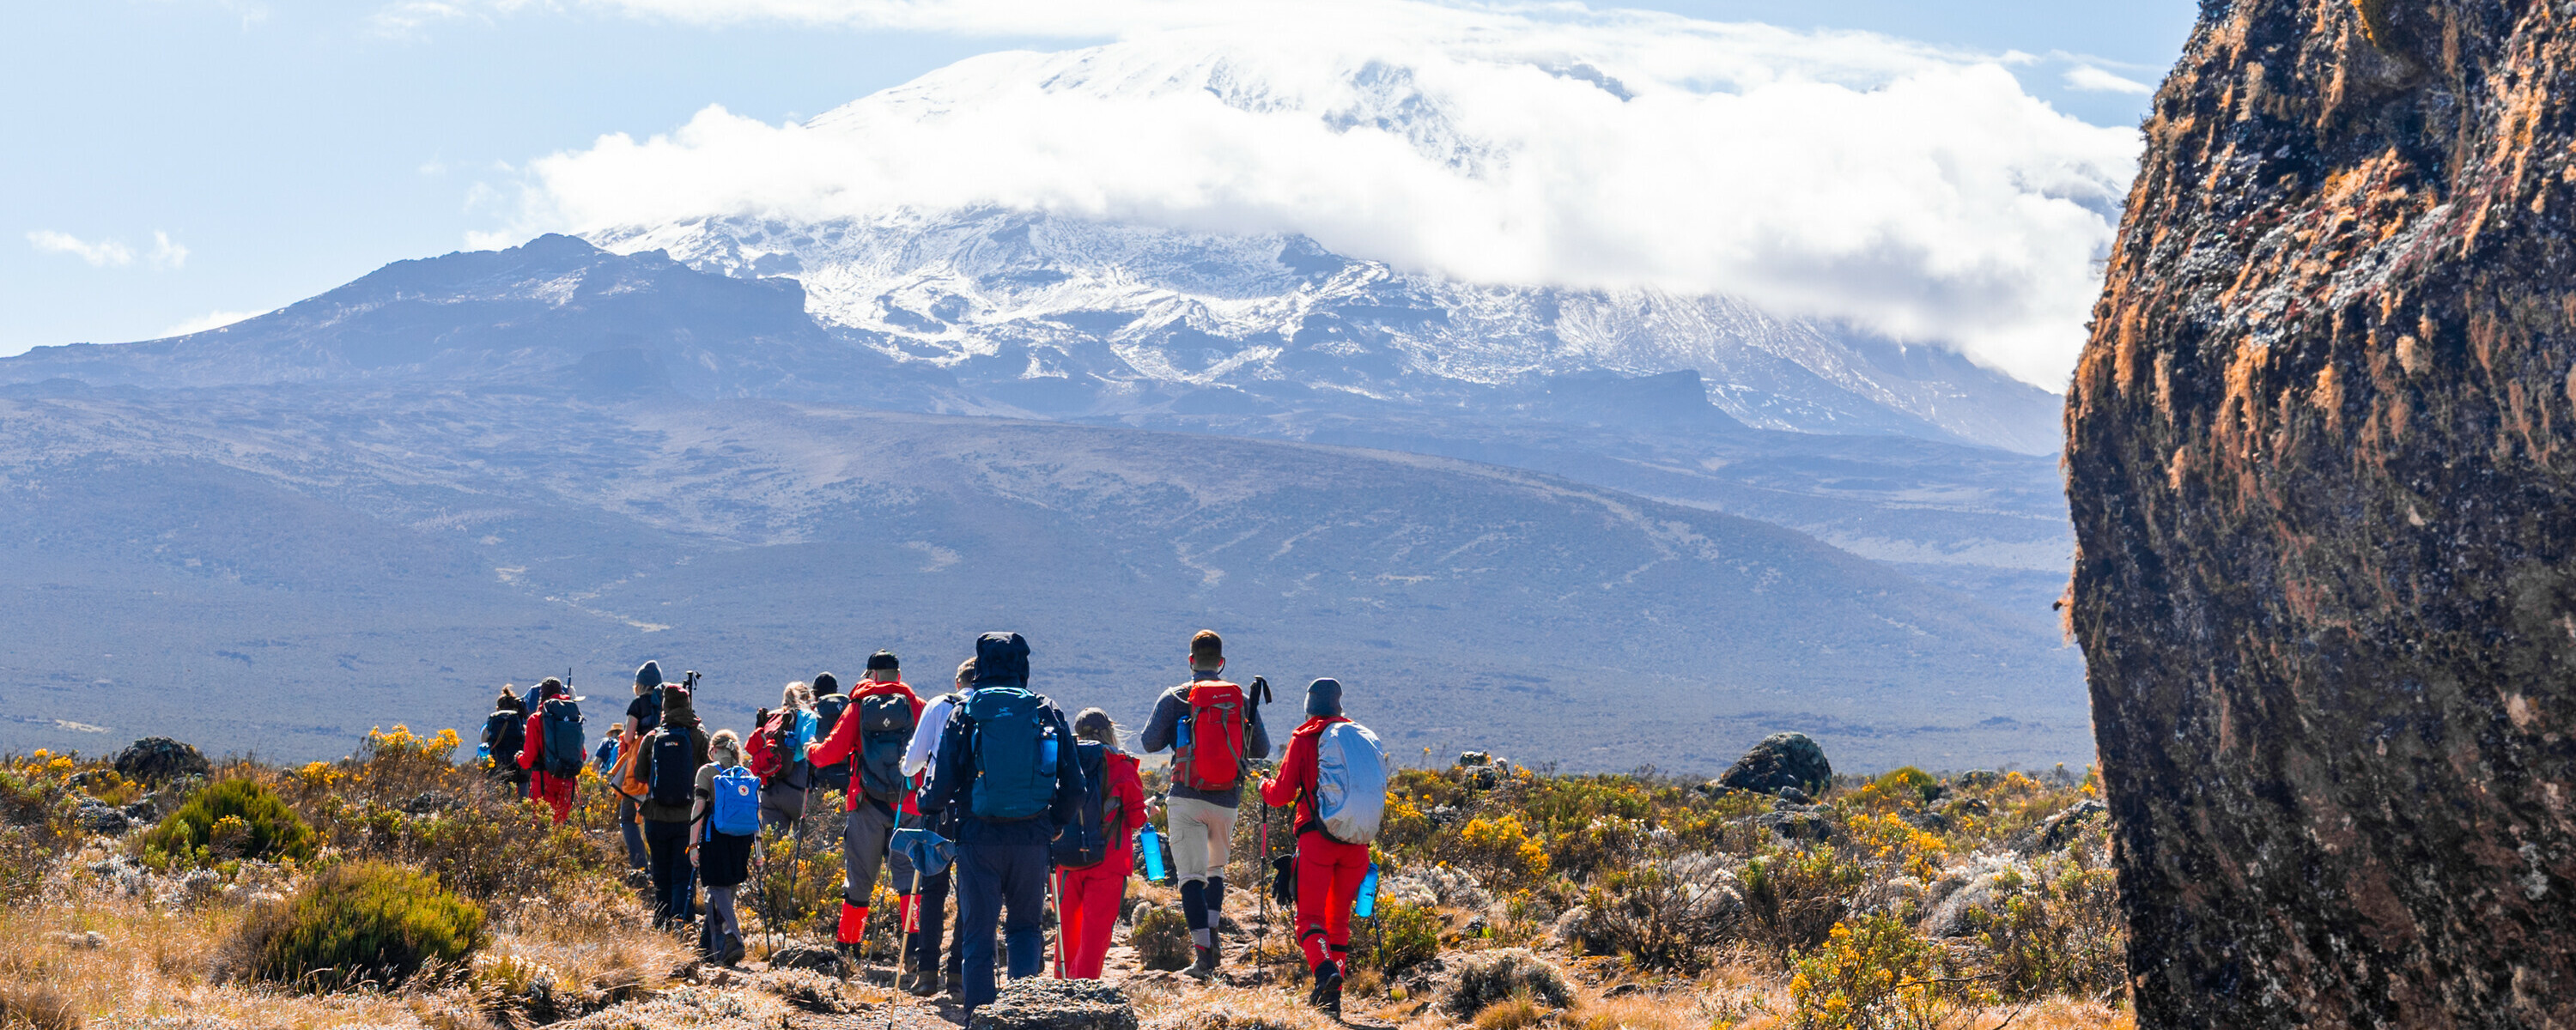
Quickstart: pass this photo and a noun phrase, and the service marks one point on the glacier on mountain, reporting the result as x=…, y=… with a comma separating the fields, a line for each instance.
x=1117, y=316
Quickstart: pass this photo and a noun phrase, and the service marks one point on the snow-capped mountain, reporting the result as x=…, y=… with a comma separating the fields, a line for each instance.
x=1072, y=317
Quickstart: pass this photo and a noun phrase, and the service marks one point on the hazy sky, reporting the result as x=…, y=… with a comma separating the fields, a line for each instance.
x=173, y=162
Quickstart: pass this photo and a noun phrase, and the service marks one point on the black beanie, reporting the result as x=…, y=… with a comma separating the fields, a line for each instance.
x=825, y=684
x=883, y=660
x=649, y=676
x=1324, y=697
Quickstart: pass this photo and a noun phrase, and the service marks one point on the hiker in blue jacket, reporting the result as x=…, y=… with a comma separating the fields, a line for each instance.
x=1006, y=757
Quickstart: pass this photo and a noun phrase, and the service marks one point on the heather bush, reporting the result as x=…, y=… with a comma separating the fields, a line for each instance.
x=1398, y=938
x=359, y=922
x=1874, y=973
x=1494, y=977
x=1161, y=937
x=1794, y=898
x=2055, y=931
x=229, y=820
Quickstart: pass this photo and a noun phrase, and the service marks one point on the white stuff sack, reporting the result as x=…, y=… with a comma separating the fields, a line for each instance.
x=1350, y=782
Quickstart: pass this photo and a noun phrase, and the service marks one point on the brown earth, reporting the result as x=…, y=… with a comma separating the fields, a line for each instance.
x=2322, y=460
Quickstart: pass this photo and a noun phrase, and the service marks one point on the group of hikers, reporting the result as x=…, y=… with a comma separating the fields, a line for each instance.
x=987, y=790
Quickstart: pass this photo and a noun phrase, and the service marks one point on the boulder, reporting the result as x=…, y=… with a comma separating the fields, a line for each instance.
x=2321, y=463
x=1045, y=1003
x=154, y=761
x=1780, y=761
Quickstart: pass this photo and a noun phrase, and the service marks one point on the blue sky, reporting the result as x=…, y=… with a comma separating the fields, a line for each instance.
x=169, y=160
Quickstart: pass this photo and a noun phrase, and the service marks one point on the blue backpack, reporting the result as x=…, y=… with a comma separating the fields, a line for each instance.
x=735, y=809
x=1015, y=746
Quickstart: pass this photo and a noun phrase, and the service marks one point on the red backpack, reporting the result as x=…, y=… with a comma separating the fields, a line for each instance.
x=1209, y=753
x=764, y=749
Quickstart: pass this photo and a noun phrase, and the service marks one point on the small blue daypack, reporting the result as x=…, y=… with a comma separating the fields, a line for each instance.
x=735, y=809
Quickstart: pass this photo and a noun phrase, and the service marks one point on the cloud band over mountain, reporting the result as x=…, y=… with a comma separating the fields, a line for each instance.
x=1902, y=190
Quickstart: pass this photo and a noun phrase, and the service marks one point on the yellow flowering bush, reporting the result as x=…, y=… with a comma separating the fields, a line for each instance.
x=1873, y=973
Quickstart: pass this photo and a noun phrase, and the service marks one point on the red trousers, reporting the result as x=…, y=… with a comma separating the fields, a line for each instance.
x=1328, y=881
x=1087, y=900
x=553, y=791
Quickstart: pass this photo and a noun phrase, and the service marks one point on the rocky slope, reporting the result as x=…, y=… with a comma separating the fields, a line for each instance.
x=2322, y=462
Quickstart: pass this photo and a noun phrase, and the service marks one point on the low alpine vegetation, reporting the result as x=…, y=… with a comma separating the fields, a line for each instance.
x=360, y=922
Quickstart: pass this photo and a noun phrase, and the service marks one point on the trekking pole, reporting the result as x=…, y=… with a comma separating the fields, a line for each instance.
x=1261, y=950
x=1056, y=897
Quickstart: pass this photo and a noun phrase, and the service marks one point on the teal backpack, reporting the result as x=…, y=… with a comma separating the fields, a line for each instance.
x=1015, y=748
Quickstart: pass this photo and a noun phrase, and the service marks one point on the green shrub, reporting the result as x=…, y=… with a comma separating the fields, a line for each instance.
x=2057, y=932
x=1399, y=937
x=1794, y=898
x=1494, y=977
x=1161, y=937
x=1914, y=784
x=360, y=922
x=233, y=819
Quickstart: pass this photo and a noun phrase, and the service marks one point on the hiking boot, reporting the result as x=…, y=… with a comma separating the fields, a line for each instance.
x=733, y=951
x=1327, y=995
x=1203, y=969
x=921, y=984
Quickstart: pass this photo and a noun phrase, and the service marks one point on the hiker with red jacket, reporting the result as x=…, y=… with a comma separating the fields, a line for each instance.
x=1329, y=872
x=870, y=738
x=1215, y=733
x=1087, y=896
x=550, y=785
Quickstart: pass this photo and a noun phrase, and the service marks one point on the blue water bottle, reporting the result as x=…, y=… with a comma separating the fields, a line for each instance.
x=1365, y=905
x=1152, y=844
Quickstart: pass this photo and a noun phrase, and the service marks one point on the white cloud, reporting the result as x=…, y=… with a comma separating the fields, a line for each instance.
x=166, y=254
x=209, y=320
x=2089, y=79
x=100, y=254
x=1906, y=190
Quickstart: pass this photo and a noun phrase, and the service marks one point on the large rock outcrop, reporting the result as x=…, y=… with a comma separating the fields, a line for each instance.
x=2322, y=455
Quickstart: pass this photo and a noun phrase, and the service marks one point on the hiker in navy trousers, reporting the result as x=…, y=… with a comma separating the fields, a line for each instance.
x=1007, y=757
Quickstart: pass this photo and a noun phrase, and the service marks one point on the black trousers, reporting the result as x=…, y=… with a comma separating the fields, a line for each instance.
x=674, y=881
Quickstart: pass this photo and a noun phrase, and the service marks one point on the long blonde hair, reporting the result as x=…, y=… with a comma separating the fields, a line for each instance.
x=798, y=696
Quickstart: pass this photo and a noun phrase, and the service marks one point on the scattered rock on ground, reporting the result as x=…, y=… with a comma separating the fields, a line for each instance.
x=1971, y=888
x=1780, y=761
x=1045, y=1003
x=807, y=957
x=1800, y=824
x=157, y=760
x=99, y=817
x=2060, y=829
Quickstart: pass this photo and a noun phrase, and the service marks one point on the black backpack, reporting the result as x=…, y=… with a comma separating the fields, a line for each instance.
x=827, y=717
x=673, y=774
x=885, y=731
x=1086, y=842
x=565, y=750
x=507, y=731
